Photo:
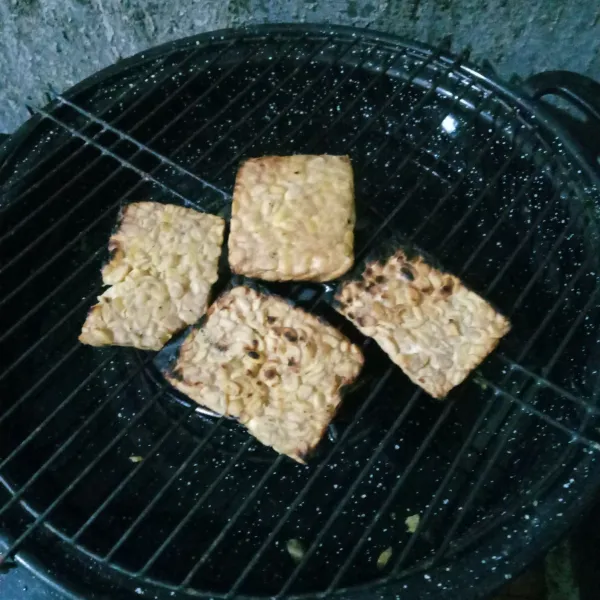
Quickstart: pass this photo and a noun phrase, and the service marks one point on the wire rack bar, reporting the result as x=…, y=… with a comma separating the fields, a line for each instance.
x=39, y=382
x=86, y=229
x=21, y=491
x=135, y=103
x=43, y=515
x=230, y=523
x=440, y=492
x=508, y=430
x=541, y=380
x=502, y=441
x=300, y=496
x=490, y=184
x=51, y=416
x=323, y=103
x=378, y=77
x=197, y=101
x=232, y=161
x=506, y=513
x=50, y=199
x=420, y=145
x=495, y=228
x=143, y=174
x=279, y=116
x=7, y=188
x=64, y=282
x=364, y=472
x=42, y=338
x=527, y=407
x=151, y=452
x=543, y=264
x=73, y=436
x=541, y=484
x=444, y=75
x=410, y=193
x=262, y=102
x=214, y=85
x=88, y=421
x=541, y=216
x=164, y=159
x=76, y=346
x=168, y=73
x=211, y=488
x=438, y=160
x=164, y=488
x=481, y=196
x=215, y=117
x=567, y=338
x=285, y=111
x=338, y=85
x=131, y=475
x=520, y=196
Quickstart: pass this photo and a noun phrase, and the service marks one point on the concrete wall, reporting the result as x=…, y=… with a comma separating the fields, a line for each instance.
x=62, y=41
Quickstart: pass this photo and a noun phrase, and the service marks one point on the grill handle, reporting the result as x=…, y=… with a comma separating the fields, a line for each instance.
x=581, y=92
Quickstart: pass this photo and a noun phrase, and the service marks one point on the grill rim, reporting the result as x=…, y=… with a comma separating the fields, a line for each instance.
x=515, y=96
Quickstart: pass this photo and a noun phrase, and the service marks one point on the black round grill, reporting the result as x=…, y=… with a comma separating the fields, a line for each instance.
x=113, y=480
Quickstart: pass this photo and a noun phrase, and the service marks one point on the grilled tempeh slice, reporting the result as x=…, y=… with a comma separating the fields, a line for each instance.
x=275, y=368
x=427, y=321
x=293, y=218
x=163, y=265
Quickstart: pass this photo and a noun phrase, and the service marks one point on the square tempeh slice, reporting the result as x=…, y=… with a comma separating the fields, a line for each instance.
x=293, y=218
x=427, y=321
x=275, y=368
x=164, y=262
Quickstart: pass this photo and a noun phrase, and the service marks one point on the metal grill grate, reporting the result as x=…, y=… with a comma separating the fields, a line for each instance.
x=444, y=160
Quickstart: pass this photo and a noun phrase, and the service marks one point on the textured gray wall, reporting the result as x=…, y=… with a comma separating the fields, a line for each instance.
x=62, y=41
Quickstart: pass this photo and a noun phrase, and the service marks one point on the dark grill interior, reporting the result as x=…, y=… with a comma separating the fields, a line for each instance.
x=444, y=161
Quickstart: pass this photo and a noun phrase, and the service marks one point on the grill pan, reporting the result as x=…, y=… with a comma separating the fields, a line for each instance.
x=447, y=159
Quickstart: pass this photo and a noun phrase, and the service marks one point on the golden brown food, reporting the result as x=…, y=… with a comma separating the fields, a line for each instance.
x=427, y=321
x=275, y=368
x=163, y=265
x=293, y=218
